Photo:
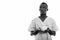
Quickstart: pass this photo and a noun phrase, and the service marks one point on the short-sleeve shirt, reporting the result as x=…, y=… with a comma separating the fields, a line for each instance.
x=38, y=24
x=47, y=23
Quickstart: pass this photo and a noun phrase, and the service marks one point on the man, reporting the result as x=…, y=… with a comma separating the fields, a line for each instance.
x=43, y=26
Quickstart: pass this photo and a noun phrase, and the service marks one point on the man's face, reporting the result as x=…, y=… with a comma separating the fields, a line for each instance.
x=43, y=8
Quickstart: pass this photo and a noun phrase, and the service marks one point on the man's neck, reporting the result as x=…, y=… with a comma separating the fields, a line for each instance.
x=43, y=15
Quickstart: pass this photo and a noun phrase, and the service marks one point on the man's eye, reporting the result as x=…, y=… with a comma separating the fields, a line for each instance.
x=40, y=7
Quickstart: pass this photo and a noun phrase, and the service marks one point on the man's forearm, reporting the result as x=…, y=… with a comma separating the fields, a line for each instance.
x=52, y=32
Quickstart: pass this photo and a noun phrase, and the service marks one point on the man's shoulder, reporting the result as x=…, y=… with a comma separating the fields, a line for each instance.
x=36, y=18
x=51, y=18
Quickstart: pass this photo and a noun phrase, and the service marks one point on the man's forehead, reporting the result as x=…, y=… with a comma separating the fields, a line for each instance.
x=43, y=5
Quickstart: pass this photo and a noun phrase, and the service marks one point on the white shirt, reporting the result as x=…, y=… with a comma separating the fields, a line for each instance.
x=38, y=24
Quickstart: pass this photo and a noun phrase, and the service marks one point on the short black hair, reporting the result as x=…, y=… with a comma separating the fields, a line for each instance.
x=44, y=3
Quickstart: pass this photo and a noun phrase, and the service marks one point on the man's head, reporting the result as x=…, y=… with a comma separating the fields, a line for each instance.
x=43, y=8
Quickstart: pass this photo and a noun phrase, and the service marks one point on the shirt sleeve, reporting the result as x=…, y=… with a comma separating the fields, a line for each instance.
x=32, y=26
x=54, y=26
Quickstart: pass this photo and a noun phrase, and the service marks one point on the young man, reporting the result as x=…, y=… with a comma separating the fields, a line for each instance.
x=43, y=26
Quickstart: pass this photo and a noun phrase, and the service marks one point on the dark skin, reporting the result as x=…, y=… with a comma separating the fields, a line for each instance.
x=43, y=9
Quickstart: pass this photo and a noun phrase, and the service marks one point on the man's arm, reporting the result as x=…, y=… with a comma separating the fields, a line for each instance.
x=50, y=32
x=34, y=32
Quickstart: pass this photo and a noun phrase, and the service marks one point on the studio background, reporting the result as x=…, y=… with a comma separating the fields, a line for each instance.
x=16, y=16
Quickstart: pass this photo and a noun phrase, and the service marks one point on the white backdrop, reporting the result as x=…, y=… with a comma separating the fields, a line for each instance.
x=16, y=16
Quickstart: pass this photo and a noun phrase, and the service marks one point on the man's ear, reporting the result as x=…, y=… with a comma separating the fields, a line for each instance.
x=47, y=9
x=39, y=9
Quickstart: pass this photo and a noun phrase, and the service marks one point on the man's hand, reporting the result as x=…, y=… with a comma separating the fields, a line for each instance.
x=51, y=32
x=34, y=32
